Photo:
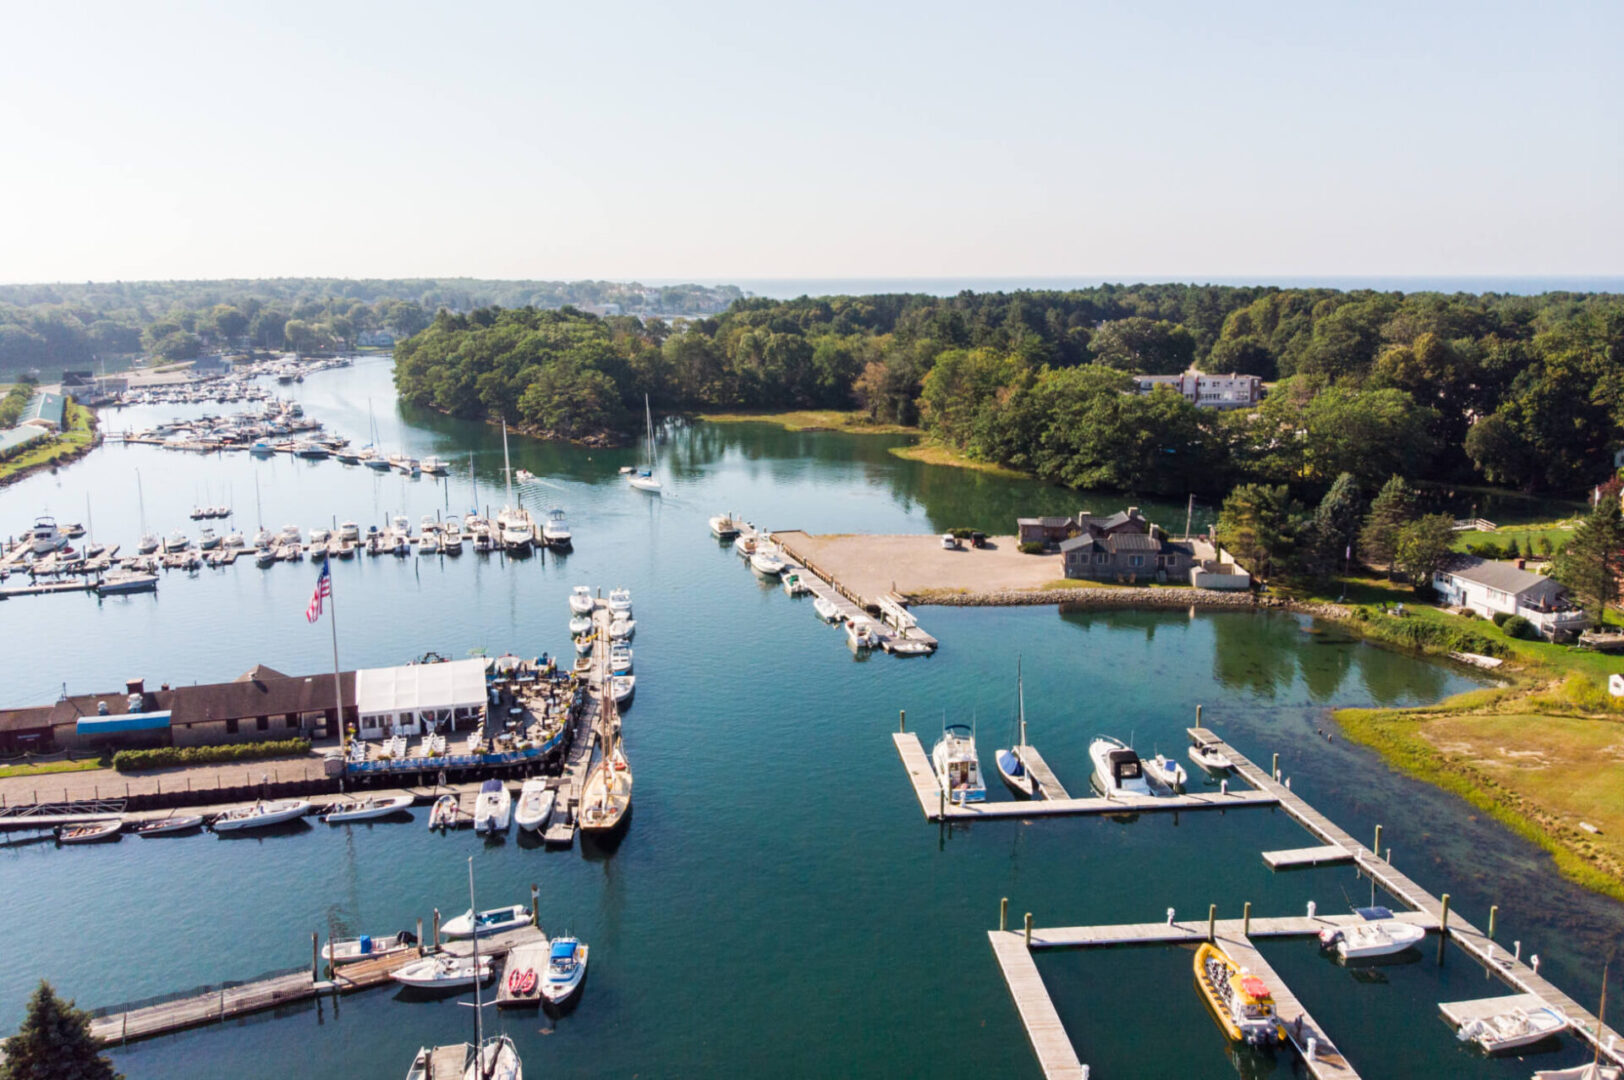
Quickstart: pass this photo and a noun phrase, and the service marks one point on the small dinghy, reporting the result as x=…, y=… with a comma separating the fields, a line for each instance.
x=1379, y=935
x=367, y=947
x=93, y=832
x=1240, y=1001
x=494, y=921
x=444, y=972
x=621, y=688
x=566, y=967
x=494, y=808
x=583, y=645
x=1117, y=768
x=1514, y=1029
x=447, y=814
x=1211, y=758
x=535, y=805
x=580, y=624
x=260, y=815
x=1166, y=772
x=168, y=826
x=581, y=600
x=368, y=809
x=826, y=609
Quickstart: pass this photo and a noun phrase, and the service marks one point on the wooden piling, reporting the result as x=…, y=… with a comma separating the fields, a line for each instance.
x=1274, y=768
x=1212, y=922
x=1028, y=929
x=535, y=905
x=1377, y=846
x=1003, y=913
x=436, y=929
x=420, y=935
x=1443, y=926
x=1246, y=919
x=315, y=956
x=1494, y=917
x=902, y=719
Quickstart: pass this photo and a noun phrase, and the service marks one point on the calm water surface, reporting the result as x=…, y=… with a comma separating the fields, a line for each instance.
x=778, y=905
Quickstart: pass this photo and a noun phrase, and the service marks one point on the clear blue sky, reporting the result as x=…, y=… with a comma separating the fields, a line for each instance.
x=840, y=139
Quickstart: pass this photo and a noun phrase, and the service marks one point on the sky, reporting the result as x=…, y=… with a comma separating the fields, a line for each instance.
x=716, y=141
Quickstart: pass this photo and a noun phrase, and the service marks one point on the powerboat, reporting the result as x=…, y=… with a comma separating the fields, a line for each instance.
x=1166, y=772
x=580, y=624
x=451, y=538
x=581, y=600
x=126, y=581
x=434, y=466
x=1010, y=764
x=516, y=530
x=724, y=527
x=1593, y=1070
x=318, y=536
x=447, y=813
x=957, y=767
x=494, y=921
x=444, y=972
x=767, y=560
x=1211, y=758
x=566, y=967
x=1513, y=1029
x=860, y=633
x=45, y=537
x=1379, y=935
x=622, y=629
x=1240, y=1001
x=523, y=475
x=1117, y=768
x=493, y=808
x=207, y=540
x=176, y=541
x=367, y=947
x=260, y=815
x=621, y=688
x=555, y=531
x=368, y=809
x=620, y=659
x=349, y=531
x=535, y=805
x=620, y=601
x=93, y=832
x=168, y=826
x=744, y=545
x=826, y=609
x=583, y=645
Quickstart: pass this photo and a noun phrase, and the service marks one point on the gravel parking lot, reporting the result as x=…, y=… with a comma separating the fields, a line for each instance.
x=873, y=565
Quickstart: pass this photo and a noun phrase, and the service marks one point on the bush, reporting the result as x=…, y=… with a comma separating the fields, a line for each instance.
x=165, y=757
x=961, y=533
x=1032, y=547
x=1519, y=627
x=1468, y=613
x=1499, y=618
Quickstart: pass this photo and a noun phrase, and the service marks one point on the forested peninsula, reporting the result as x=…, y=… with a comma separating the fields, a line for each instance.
x=1514, y=391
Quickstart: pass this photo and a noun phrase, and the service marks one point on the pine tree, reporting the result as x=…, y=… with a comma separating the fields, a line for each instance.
x=54, y=1043
x=1390, y=511
x=1589, y=564
x=1335, y=527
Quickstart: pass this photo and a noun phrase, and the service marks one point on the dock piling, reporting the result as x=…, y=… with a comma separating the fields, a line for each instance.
x=1443, y=927
x=436, y=929
x=1274, y=768
x=1198, y=716
x=1212, y=922
x=1028, y=929
x=1533, y=962
x=1246, y=919
x=1003, y=913
x=902, y=719
x=1494, y=917
x=1377, y=846
x=315, y=956
x=535, y=905
x=420, y=935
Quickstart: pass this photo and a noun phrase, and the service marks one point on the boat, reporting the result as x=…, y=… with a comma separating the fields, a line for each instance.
x=620, y=659
x=580, y=624
x=1117, y=768
x=260, y=815
x=126, y=581
x=621, y=688
x=1166, y=771
x=566, y=967
x=724, y=527
x=523, y=475
x=1594, y=1069
x=444, y=972
x=367, y=947
x=207, y=540
x=493, y=921
x=860, y=633
x=376, y=463
x=451, y=539
x=497, y=1059
x=1010, y=764
x=581, y=600
x=583, y=645
x=1379, y=935
x=744, y=545
x=350, y=532
x=234, y=539
x=1513, y=1029
x=93, y=832
x=168, y=826
x=1211, y=758
x=428, y=543
x=367, y=809
x=176, y=541
x=607, y=795
x=1241, y=1002
x=620, y=601
x=515, y=531
x=45, y=537
x=644, y=479
x=957, y=766
x=826, y=609
x=767, y=560
x=622, y=629
x=493, y=808
x=447, y=813
x=434, y=466
x=149, y=541
x=535, y=805
x=555, y=531
x=264, y=557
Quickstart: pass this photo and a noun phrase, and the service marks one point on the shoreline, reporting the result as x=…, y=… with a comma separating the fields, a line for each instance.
x=1129, y=596
x=56, y=460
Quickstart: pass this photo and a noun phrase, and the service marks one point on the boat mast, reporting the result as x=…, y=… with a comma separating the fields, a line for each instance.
x=1020, y=698
x=479, y=1019
x=507, y=464
x=141, y=501
x=648, y=418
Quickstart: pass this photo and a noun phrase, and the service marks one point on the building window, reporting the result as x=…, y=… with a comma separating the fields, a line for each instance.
x=1136, y=560
x=1101, y=558
x=262, y=723
x=231, y=727
x=293, y=721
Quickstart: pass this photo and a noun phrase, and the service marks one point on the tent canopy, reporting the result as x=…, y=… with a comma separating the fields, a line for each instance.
x=415, y=688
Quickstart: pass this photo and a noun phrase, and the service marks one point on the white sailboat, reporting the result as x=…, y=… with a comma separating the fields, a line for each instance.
x=149, y=540
x=514, y=526
x=644, y=479
x=1011, y=765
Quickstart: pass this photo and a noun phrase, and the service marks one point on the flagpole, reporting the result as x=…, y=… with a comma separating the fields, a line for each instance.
x=338, y=685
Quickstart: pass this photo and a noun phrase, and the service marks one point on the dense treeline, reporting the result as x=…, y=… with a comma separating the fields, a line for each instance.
x=56, y=326
x=1519, y=391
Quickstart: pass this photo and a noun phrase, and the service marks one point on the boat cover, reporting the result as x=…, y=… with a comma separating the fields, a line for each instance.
x=563, y=950
x=1373, y=914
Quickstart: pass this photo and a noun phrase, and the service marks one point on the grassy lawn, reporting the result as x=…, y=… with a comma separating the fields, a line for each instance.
x=78, y=435
x=49, y=767
x=854, y=421
x=934, y=453
x=1556, y=533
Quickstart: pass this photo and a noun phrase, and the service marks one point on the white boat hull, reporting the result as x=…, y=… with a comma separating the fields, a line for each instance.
x=444, y=973
x=535, y=806
x=369, y=810
x=645, y=483
x=504, y=919
x=282, y=813
x=560, y=989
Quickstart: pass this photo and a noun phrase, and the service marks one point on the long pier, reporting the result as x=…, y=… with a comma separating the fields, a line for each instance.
x=897, y=630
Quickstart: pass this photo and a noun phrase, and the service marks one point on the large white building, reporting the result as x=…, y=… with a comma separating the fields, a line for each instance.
x=1230, y=391
x=1489, y=587
x=416, y=699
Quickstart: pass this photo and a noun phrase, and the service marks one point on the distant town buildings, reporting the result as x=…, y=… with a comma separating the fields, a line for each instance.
x=1207, y=391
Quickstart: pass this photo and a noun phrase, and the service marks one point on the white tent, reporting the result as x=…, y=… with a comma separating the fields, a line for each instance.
x=416, y=698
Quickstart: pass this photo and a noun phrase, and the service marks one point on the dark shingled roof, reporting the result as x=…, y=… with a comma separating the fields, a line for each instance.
x=1131, y=541
x=37, y=716
x=266, y=696
x=1496, y=575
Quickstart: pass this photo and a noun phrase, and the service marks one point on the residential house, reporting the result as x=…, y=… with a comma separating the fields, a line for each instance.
x=1124, y=547
x=1232, y=391
x=1489, y=587
x=1044, y=530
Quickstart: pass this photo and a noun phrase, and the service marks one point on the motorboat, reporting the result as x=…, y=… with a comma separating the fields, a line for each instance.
x=368, y=809
x=428, y=526
x=1593, y=1070
x=45, y=537
x=318, y=536
x=583, y=645
x=957, y=766
x=451, y=539
x=523, y=475
x=607, y=794
x=290, y=534
x=535, y=805
x=447, y=813
x=168, y=826
x=767, y=560
x=580, y=624
x=434, y=466
x=826, y=609
x=1240, y=1001
x=428, y=543
x=620, y=659
x=260, y=815
x=176, y=541
x=644, y=479
x=92, y=832
x=555, y=531
x=515, y=529
x=367, y=947
x=147, y=545
x=744, y=545
x=207, y=540
x=263, y=538
x=621, y=688
x=566, y=967
x=860, y=634
x=1165, y=771
x=620, y=601
x=444, y=972
x=234, y=539
x=1211, y=758
x=126, y=581
x=795, y=584
x=1117, y=768
x=350, y=532
x=622, y=628
x=1380, y=935
x=581, y=600
x=497, y=1059
x=265, y=557
x=376, y=462
x=1513, y=1029
x=1011, y=765
x=494, y=807
x=724, y=527
x=494, y=921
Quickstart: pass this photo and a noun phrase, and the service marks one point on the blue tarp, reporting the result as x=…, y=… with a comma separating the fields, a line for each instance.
x=113, y=725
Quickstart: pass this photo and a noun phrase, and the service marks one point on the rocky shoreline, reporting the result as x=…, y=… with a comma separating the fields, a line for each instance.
x=1128, y=597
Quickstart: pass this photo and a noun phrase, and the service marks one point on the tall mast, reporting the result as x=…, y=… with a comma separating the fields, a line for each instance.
x=479, y=1019
x=507, y=464
x=141, y=501
x=1020, y=697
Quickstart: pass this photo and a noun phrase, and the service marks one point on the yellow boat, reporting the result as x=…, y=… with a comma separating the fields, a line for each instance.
x=1241, y=1001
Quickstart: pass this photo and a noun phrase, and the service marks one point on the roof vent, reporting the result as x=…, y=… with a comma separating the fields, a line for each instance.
x=101, y=708
x=135, y=703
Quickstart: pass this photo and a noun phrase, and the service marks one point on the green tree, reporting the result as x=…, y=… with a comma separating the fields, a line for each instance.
x=229, y=322
x=1390, y=511
x=1423, y=546
x=1590, y=562
x=1150, y=346
x=1335, y=526
x=54, y=1043
x=1258, y=523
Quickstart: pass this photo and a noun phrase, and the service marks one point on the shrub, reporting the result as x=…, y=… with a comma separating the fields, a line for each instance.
x=1519, y=627
x=1032, y=547
x=164, y=757
x=1499, y=618
x=961, y=533
x=1468, y=613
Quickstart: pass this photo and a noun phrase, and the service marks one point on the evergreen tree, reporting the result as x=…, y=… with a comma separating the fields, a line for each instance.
x=54, y=1043
x=1335, y=527
x=1392, y=508
x=1422, y=547
x=1589, y=564
x=1259, y=525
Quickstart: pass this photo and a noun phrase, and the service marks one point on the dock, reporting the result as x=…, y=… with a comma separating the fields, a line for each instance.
x=1324, y=855
x=560, y=831
x=1462, y=1012
x=532, y=957
x=898, y=631
x=1043, y=778
x=1319, y=1053
x=937, y=808
x=1047, y=1034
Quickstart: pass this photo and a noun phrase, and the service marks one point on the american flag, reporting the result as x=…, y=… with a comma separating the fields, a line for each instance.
x=324, y=589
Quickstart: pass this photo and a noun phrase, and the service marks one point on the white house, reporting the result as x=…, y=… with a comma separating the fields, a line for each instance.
x=415, y=699
x=1232, y=391
x=1488, y=587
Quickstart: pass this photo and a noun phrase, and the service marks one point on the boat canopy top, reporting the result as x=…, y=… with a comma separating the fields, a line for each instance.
x=957, y=731
x=563, y=950
x=1372, y=914
x=491, y=785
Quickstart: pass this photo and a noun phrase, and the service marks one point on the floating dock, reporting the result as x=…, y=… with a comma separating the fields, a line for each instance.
x=1056, y=1057
x=532, y=957
x=897, y=630
x=1043, y=778
x=1308, y=856
x=560, y=831
x=1462, y=1012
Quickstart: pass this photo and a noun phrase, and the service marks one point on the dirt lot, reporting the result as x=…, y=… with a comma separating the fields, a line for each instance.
x=873, y=565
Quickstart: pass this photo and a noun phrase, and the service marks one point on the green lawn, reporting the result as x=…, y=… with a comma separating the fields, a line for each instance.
x=49, y=767
x=852, y=421
x=1555, y=534
x=78, y=435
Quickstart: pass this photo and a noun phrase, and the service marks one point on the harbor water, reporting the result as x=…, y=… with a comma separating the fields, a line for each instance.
x=778, y=905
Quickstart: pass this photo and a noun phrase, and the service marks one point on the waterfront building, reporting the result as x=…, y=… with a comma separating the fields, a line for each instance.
x=1491, y=587
x=1232, y=391
x=261, y=704
x=44, y=410
x=415, y=699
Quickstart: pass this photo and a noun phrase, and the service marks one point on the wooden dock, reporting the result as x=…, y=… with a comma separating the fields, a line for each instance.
x=560, y=831
x=1189, y=932
x=898, y=632
x=1048, y=1035
x=1319, y=1053
x=936, y=808
x=1461, y=1012
x=532, y=957
x=1308, y=856
x=1047, y=783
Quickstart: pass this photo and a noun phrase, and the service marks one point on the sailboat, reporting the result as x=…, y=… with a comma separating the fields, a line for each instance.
x=607, y=797
x=369, y=453
x=514, y=525
x=149, y=541
x=1010, y=764
x=262, y=536
x=497, y=1059
x=644, y=480
x=1594, y=1069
